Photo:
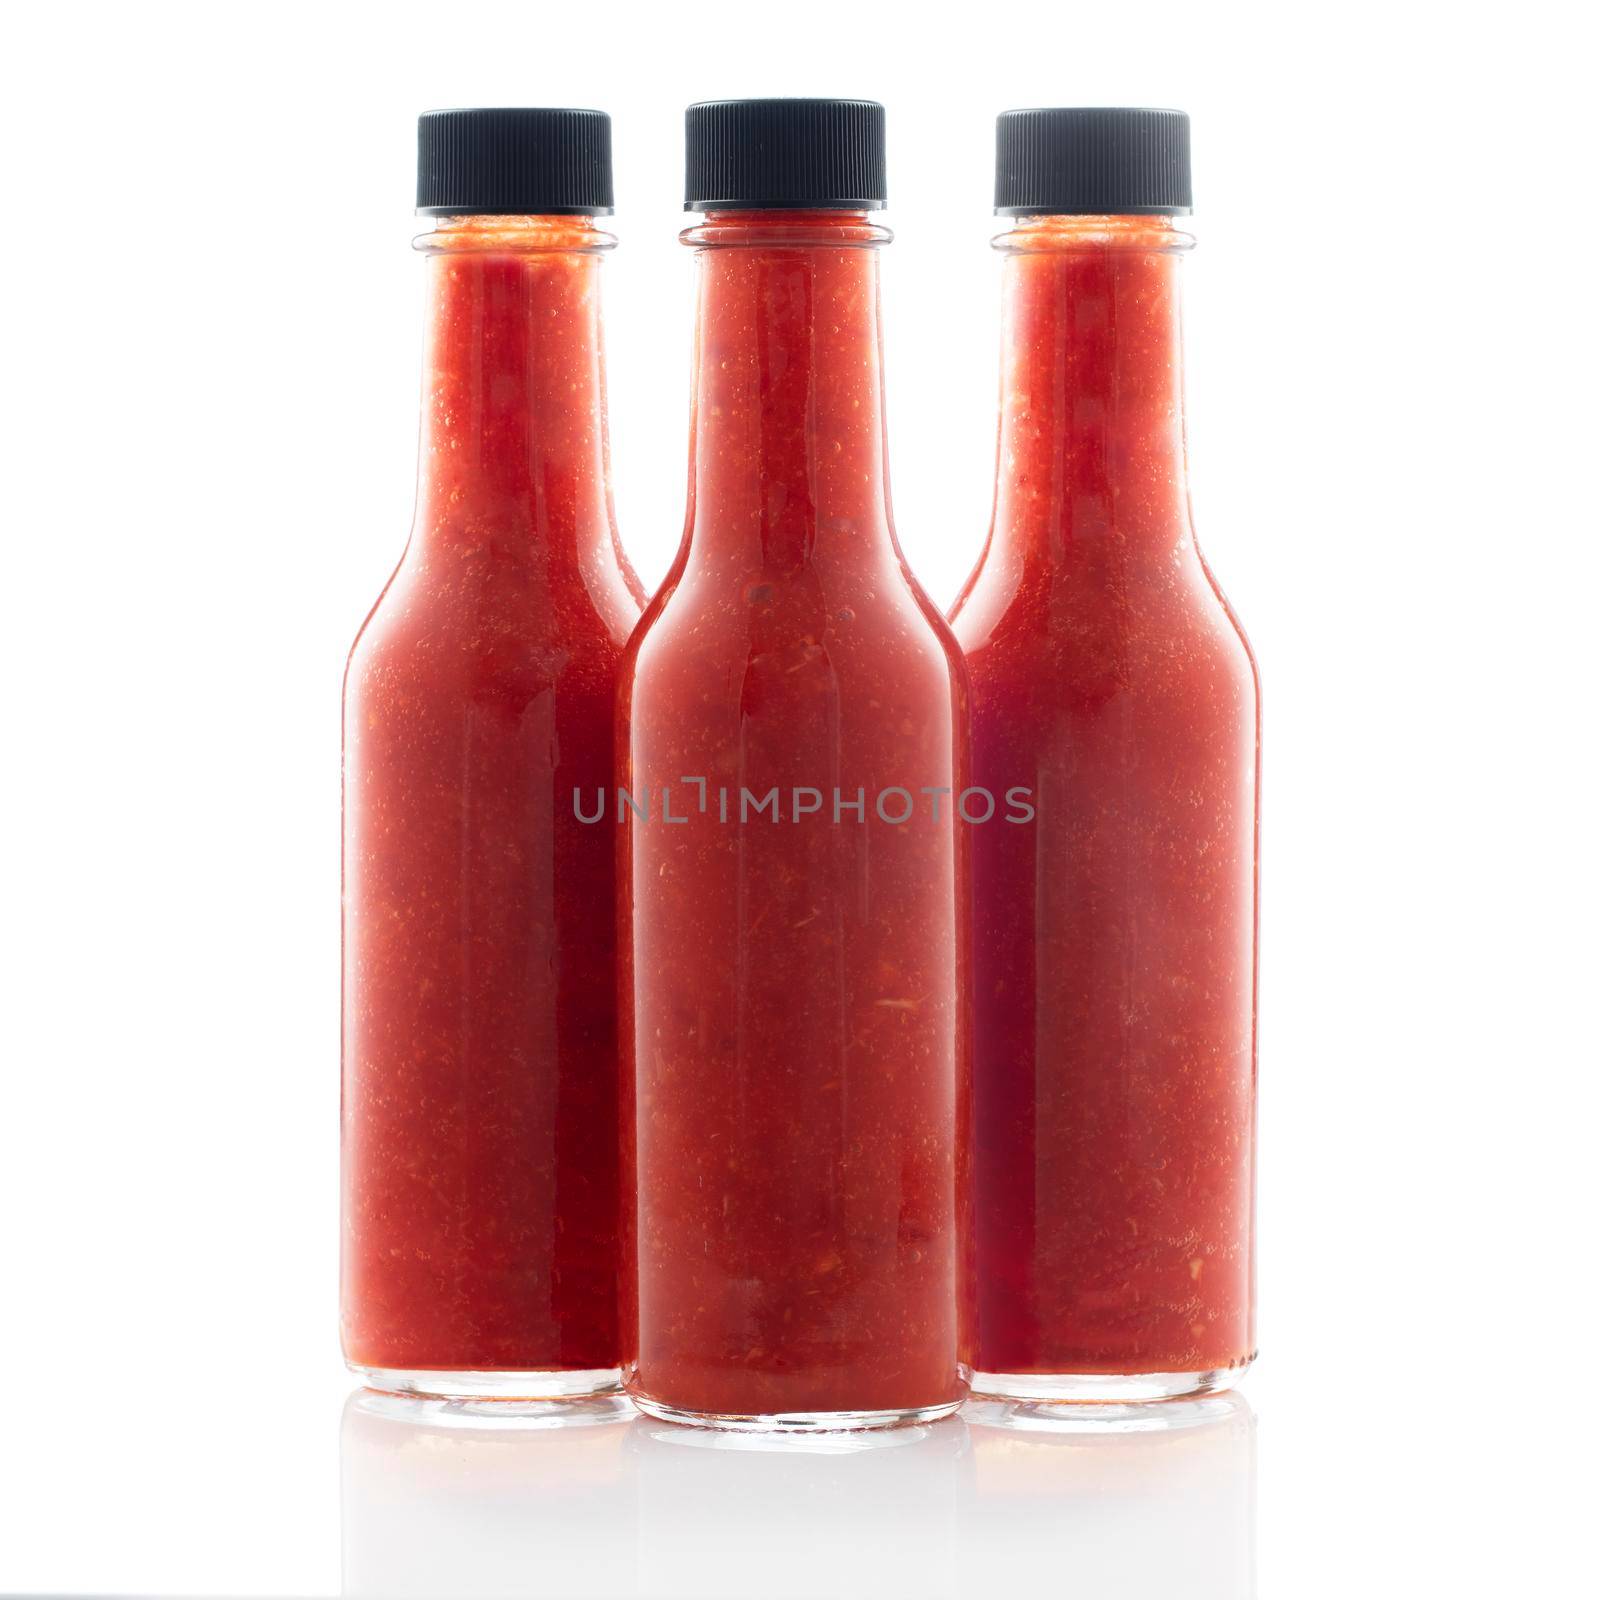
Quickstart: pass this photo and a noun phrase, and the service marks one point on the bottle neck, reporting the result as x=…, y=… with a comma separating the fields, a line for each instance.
x=787, y=449
x=1091, y=444
x=514, y=450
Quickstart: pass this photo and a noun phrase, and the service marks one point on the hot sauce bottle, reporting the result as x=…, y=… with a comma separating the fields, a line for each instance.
x=792, y=744
x=480, y=1071
x=1115, y=968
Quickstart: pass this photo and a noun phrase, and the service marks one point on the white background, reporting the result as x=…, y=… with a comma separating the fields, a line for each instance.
x=209, y=364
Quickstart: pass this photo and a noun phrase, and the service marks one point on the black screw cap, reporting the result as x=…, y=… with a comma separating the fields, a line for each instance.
x=514, y=161
x=785, y=155
x=1092, y=161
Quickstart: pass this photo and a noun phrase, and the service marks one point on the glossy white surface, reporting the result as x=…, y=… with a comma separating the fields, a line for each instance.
x=950, y=1508
x=207, y=1483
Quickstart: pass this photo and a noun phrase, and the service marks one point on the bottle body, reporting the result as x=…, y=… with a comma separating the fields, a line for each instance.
x=480, y=1086
x=1114, y=991
x=792, y=731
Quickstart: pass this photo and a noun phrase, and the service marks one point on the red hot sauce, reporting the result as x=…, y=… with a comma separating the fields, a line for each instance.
x=1115, y=952
x=793, y=728
x=480, y=1078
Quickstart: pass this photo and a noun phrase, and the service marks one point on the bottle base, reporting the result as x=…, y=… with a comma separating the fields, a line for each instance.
x=450, y=1384
x=432, y=1412
x=800, y=1422
x=1104, y=1388
x=1098, y=1417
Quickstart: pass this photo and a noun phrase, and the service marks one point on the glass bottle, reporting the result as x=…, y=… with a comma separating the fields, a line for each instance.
x=480, y=1079
x=792, y=739
x=1115, y=972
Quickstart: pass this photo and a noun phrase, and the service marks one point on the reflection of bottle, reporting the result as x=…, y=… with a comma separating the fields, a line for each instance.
x=480, y=1137
x=1114, y=983
x=794, y=987
x=1135, y=1502
x=838, y=1514
x=453, y=1498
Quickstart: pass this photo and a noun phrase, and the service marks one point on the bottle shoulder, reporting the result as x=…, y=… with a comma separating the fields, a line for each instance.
x=1155, y=618
x=877, y=622
x=468, y=619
